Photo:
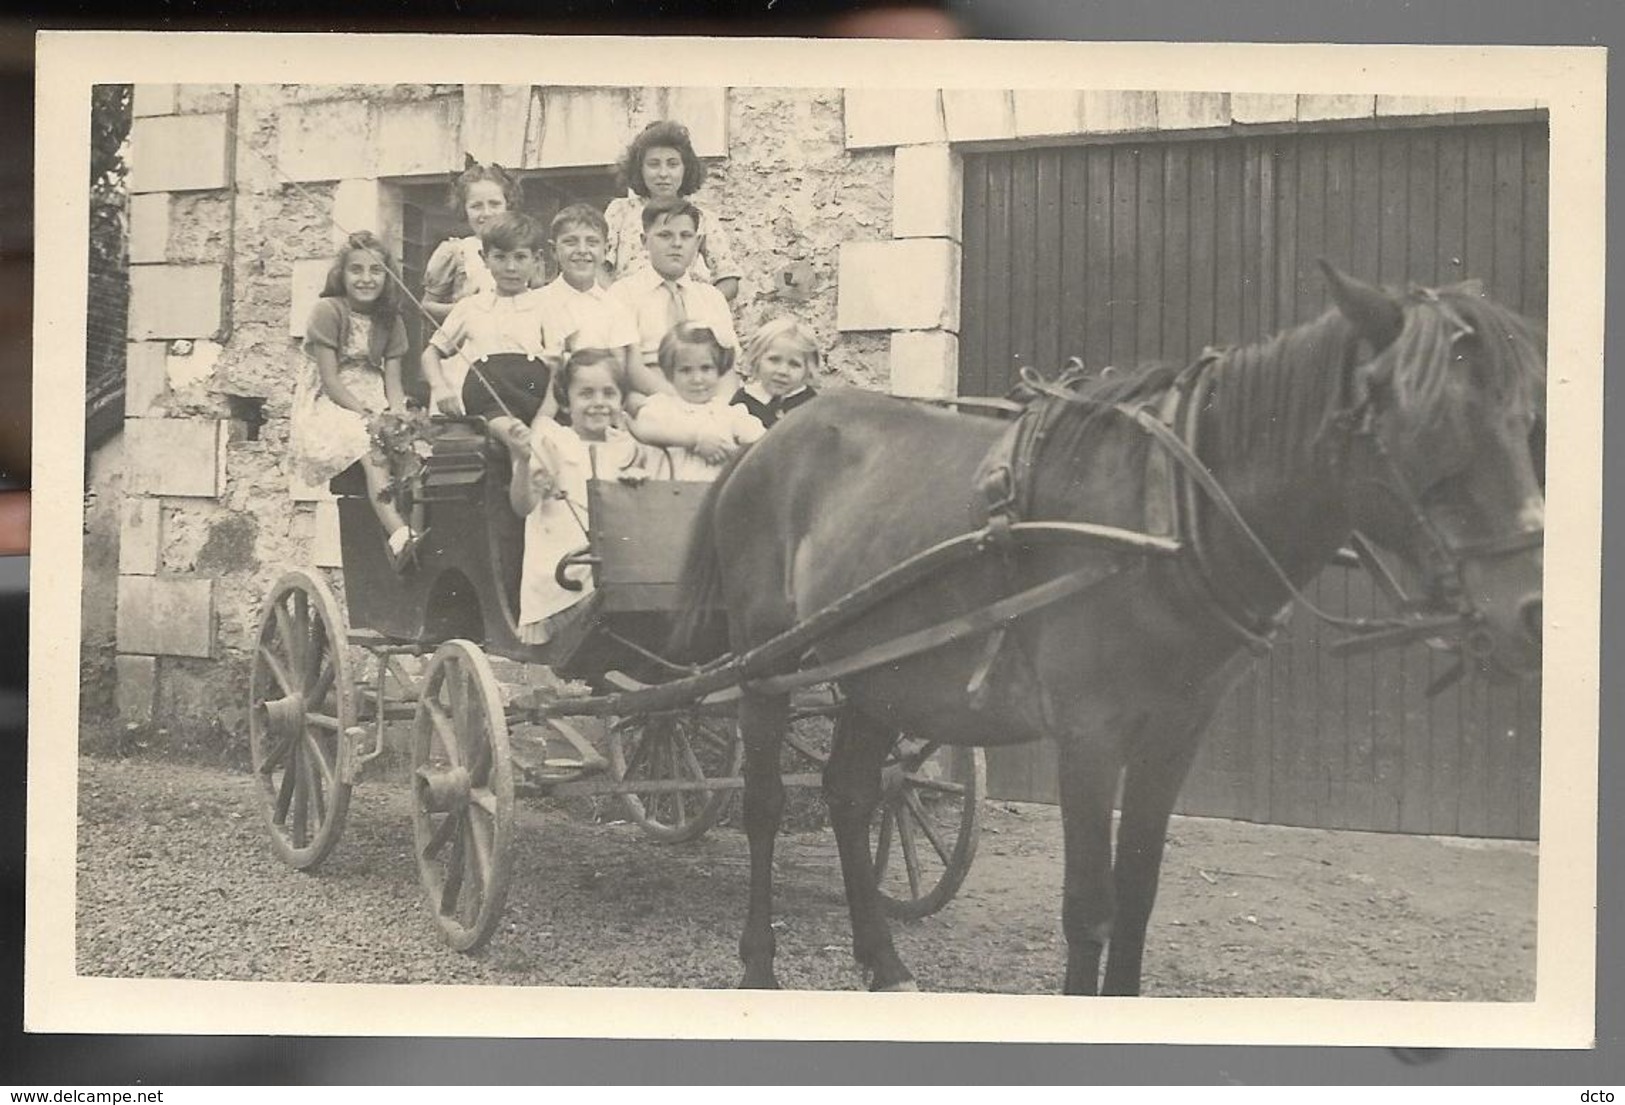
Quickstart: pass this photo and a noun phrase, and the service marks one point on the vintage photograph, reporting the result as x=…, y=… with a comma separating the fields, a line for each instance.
x=976, y=539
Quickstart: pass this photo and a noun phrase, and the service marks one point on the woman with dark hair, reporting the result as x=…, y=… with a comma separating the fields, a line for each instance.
x=661, y=165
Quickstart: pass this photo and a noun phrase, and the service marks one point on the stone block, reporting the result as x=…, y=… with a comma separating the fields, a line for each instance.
x=190, y=363
x=305, y=288
x=325, y=551
x=152, y=99
x=149, y=228
x=925, y=364
x=136, y=682
x=892, y=117
x=145, y=380
x=332, y=140
x=704, y=111
x=1192, y=110
x=419, y=138
x=1115, y=112
x=582, y=126
x=166, y=617
x=204, y=97
x=495, y=120
x=1315, y=108
x=183, y=457
x=1046, y=111
x=140, y=533
x=358, y=205
x=927, y=192
x=903, y=284
x=178, y=153
x=1416, y=105
x=978, y=114
x=176, y=301
x=1263, y=107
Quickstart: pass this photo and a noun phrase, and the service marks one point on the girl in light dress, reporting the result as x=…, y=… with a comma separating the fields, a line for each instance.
x=549, y=488
x=354, y=342
x=661, y=165
x=698, y=425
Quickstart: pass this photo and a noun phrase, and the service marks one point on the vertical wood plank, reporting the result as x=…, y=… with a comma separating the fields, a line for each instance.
x=1050, y=295
x=1450, y=220
x=1444, y=751
x=1507, y=287
x=1480, y=193
x=1203, y=217
x=1149, y=288
x=998, y=345
x=1393, y=246
x=1268, y=231
x=1421, y=208
x=1359, y=672
x=1365, y=243
x=1337, y=222
x=1024, y=233
x=1286, y=235
x=974, y=306
x=1097, y=304
x=1252, y=240
x=1536, y=157
x=1230, y=251
x=1174, y=343
x=1074, y=217
x=1125, y=256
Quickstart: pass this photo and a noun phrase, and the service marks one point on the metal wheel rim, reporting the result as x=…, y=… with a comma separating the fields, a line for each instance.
x=301, y=666
x=918, y=865
x=464, y=847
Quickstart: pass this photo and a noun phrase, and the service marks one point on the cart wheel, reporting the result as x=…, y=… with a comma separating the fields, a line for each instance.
x=302, y=702
x=462, y=794
x=925, y=832
x=675, y=755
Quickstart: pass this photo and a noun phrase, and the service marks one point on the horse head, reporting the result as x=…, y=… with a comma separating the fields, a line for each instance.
x=1441, y=401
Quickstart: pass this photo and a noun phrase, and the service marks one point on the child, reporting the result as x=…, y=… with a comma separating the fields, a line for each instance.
x=704, y=426
x=354, y=342
x=660, y=165
x=549, y=490
x=664, y=294
x=499, y=332
x=480, y=194
x=778, y=359
x=578, y=312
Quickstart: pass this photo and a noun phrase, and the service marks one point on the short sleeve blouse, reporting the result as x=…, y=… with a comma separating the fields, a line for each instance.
x=330, y=323
x=456, y=269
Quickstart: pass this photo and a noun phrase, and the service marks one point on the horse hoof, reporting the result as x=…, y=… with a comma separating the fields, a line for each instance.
x=768, y=983
x=907, y=986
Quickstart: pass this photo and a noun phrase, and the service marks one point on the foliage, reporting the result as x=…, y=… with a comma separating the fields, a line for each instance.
x=109, y=279
x=406, y=440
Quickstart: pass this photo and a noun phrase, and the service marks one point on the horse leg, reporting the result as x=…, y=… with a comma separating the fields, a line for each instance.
x=852, y=791
x=1149, y=791
x=1088, y=779
x=762, y=722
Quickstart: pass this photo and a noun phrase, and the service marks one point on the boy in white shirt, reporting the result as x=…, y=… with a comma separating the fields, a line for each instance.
x=663, y=295
x=577, y=311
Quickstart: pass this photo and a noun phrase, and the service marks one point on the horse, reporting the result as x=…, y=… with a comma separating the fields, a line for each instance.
x=1405, y=416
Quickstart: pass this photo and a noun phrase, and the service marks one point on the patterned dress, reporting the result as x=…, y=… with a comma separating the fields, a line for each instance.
x=326, y=438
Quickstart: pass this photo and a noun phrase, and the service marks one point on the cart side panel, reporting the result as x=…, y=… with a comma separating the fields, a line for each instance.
x=641, y=535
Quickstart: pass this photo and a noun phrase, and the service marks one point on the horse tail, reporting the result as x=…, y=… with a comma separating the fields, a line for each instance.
x=700, y=587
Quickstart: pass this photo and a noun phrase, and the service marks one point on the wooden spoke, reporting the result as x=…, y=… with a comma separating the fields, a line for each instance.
x=442, y=833
x=461, y=711
x=480, y=835
x=315, y=652
x=912, y=801
x=323, y=684
x=285, y=793
x=453, y=886
x=935, y=786
x=883, y=845
x=276, y=757
x=322, y=721
x=319, y=759
x=484, y=799
x=911, y=858
x=443, y=729
x=299, y=809
x=279, y=674
x=309, y=760
x=289, y=637
x=689, y=758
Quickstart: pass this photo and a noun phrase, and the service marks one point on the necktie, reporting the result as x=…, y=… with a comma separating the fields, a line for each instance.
x=674, y=310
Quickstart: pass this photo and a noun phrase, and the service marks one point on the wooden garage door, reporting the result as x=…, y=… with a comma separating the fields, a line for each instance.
x=1151, y=250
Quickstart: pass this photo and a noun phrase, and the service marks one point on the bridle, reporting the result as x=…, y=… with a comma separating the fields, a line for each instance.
x=1446, y=611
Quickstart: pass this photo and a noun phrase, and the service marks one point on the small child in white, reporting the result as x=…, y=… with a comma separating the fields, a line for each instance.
x=701, y=427
x=549, y=487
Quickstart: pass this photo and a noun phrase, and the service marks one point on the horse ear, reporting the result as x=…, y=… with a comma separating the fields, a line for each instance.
x=1372, y=311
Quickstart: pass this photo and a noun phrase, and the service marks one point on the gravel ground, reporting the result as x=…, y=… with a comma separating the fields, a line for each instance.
x=176, y=879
